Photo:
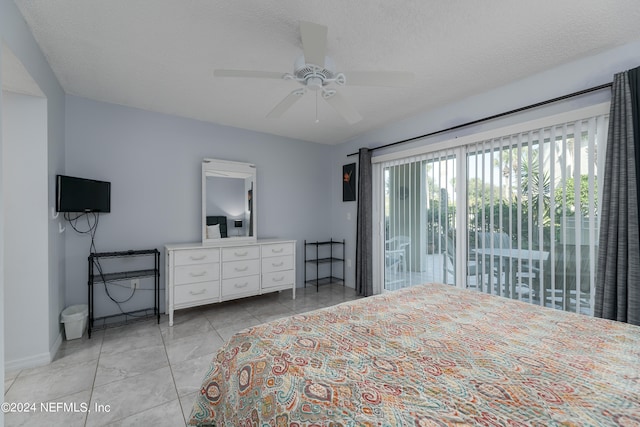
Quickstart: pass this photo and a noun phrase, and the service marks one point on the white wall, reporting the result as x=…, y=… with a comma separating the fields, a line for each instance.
x=24, y=172
x=15, y=35
x=153, y=162
x=568, y=78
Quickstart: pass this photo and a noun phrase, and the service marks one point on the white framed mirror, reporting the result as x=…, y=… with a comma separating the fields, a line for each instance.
x=228, y=201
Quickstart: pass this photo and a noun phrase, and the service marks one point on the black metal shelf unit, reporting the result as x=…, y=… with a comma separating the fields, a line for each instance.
x=324, y=253
x=102, y=277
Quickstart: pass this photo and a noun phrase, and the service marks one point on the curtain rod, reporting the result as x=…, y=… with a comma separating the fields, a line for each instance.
x=495, y=116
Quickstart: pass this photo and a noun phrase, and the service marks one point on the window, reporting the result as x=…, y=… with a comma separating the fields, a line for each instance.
x=514, y=215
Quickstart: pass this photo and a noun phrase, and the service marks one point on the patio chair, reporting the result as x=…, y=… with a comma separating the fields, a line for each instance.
x=395, y=252
x=475, y=269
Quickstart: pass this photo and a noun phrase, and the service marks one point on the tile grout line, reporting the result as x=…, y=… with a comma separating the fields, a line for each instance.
x=13, y=381
x=95, y=375
x=173, y=377
x=139, y=374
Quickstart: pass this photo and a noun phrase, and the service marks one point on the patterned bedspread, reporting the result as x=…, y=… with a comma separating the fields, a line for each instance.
x=430, y=355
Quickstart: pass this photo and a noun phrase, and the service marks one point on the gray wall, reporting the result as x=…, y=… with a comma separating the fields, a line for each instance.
x=153, y=163
x=15, y=35
x=568, y=78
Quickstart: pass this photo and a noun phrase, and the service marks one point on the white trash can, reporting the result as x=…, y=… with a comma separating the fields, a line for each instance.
x=75, y=318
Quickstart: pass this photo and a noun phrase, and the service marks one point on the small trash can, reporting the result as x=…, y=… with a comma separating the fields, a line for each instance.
x=75, y=318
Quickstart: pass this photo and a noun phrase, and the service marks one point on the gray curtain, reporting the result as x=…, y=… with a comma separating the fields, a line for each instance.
x=618, y=278
x=364, y=270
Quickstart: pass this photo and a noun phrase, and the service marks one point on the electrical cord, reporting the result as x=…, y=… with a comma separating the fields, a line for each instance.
x=91, y=231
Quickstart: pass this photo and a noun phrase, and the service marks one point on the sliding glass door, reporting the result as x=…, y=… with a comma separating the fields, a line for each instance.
x=419, y=220
x=533, y=213
x=514, y=215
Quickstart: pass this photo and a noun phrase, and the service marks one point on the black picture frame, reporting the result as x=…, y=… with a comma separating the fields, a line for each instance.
x=349, y=182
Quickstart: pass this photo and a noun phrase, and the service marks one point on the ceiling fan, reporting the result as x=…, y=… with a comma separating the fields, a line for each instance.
x=316, y=72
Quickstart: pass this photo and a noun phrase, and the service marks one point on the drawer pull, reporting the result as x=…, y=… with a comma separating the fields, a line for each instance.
x=245, y=253
x=245, y=268
x=238, y=285
x=279, y=264
x=197, y=258
x=203, y=273
x=200, y=292
x=277, y=251
x=278, y=279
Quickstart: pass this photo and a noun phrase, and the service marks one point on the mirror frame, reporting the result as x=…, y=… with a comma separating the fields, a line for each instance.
x=225, y=167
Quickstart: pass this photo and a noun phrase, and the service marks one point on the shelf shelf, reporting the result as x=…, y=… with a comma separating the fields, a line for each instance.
x=123, y=275
x=319, y=259
x=325, y=280
x=116, y=320
x=105, y=278
x=121, y=254
x=324, y=260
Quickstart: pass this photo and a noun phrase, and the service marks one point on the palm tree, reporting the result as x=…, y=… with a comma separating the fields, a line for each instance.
x=535, y=188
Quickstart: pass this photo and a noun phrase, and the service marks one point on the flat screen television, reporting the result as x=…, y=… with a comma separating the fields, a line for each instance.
x=82, y=195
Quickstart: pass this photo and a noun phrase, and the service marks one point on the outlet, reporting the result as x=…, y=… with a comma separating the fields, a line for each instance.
x=135, y=283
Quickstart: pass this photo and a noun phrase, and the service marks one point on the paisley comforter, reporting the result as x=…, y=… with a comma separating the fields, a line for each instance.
x=430, y=355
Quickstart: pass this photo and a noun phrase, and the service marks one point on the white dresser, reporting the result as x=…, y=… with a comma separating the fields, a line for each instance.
x=199, y=274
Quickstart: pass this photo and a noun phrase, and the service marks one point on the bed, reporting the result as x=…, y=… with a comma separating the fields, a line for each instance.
x=430, y=355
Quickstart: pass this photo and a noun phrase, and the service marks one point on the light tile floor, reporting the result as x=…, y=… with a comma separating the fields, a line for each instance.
x=145, y=373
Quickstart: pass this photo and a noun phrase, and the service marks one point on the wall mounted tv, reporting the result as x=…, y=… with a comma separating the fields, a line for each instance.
x=82, y=195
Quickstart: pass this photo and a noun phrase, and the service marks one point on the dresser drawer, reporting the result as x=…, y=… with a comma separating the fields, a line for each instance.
x=278, y=263
x=196, y=292
x=240, y=253
x=240, y=268
x=196, y=256
x=240, y=285
x=277, y=249
x=196, y=273
x=279, y=278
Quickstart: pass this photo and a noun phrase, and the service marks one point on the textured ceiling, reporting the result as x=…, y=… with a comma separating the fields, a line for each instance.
x=159, y=55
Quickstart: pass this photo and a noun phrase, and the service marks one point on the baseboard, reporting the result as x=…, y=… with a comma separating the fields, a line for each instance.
x=35, y=360
x=56, y=346
x=27, y=362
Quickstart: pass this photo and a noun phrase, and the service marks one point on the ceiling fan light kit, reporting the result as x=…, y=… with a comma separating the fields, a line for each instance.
x=315, y=71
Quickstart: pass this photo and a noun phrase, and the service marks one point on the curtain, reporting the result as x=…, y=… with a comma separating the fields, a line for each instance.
x=364, y=269
x=618, y=278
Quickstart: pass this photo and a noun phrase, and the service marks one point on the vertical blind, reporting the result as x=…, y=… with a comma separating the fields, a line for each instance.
x=533, y=215
x=418, y=216
x=515, y=215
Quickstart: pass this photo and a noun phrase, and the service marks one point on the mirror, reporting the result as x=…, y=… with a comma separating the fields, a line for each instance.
x=228, y=201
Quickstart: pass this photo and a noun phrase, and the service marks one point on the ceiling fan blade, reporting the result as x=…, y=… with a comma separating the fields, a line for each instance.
x=342, y=106
x=286, y=103
x=249, y=74
x=379, y=78
x=314, y=42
